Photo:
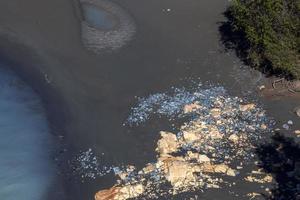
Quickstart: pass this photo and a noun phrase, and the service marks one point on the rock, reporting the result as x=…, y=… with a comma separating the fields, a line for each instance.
x=247, y=107
x=231, y=172
x=265, y=179
x=107, y=194
x=190, y=136
x=261, y=87
x=215, y=134
x=196, y=156
x=218, y=168
x=297, y=132
x=263, y=126
x=167, y=144
x=191, y=107
x=215, y=112
x=149, y=168
x=234, y=138
x=179, y=173
x=295, y=86
x=253, y=195
x=203, y=158
x=129, y=191
x=297, y=111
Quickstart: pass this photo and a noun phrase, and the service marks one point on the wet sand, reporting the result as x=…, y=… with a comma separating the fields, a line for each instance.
x=88, y=96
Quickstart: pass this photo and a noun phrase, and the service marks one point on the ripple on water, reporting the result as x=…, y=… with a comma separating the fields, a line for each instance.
x=25, y=168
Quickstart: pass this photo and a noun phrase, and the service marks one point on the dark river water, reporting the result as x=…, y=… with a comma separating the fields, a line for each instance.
x=88, y=96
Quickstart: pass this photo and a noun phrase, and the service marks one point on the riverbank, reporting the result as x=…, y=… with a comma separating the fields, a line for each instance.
x=88, y=96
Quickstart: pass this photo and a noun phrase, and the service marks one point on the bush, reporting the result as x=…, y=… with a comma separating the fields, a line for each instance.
x=270, y=31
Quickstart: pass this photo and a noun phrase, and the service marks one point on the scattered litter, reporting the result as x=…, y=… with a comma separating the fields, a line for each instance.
x=285, y=126
x=218, y=138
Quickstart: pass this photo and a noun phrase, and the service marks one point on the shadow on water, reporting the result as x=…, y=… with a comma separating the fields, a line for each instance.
x=281, y=158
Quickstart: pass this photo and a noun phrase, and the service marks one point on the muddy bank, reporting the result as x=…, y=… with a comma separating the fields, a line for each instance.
x=89, y=96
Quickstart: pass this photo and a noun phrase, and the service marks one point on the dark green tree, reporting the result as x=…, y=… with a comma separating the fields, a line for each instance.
x=271, y=29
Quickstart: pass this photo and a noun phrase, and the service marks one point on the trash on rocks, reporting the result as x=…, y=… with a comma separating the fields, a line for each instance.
x=290, y=122
x=217, y=139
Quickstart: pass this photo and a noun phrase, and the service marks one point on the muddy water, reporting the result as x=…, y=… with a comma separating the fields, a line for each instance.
x=176, y=41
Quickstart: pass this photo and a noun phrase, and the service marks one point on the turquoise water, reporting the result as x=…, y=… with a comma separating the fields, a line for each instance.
x=97, y=17
x=25, y=167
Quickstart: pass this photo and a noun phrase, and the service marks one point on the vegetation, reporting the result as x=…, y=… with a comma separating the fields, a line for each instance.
x=269, y=33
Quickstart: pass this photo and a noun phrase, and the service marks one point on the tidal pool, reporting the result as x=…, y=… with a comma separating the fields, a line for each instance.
x=98, y=18
x=26, y=171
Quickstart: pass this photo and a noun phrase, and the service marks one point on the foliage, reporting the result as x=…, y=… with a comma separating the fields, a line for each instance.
x=271, y=31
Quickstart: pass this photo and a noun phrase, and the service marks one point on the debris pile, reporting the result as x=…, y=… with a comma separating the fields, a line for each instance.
x=218, y=139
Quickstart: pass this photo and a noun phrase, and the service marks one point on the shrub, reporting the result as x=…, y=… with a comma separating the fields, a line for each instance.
x=270, y=31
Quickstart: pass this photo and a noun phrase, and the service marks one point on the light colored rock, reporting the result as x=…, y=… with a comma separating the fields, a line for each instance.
x=215, y=134
x=234, y=138
x=253, y=195
x=167, y=144
x=149, y=168
x=191, y=107
x=129, y=191
x=215, y=112
x=120, y=193
x=199, y=157
x=179, y=173
x=297, y=133
x=218, y=168
x=266, y=179
x=247, y=107
x=190, y=136
x=261, y=87
x=108, y=194
x=221, y=168
x=263, y=126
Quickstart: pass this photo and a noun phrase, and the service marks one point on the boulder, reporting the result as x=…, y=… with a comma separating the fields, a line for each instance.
x=120, y=193
x=167, y=144
x=107, y=194
x=179, y=173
